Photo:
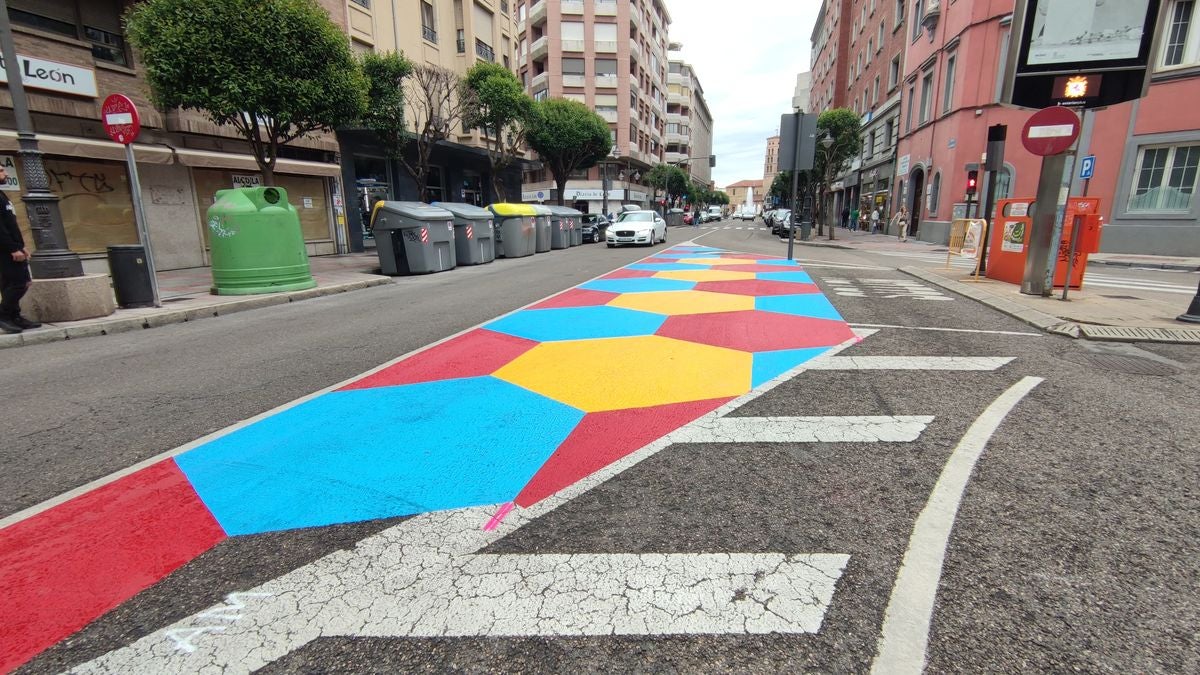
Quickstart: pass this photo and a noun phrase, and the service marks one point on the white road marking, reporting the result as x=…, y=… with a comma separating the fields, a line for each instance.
x=885, y=289
x=912, y=363
x=905, y=635
x=848, y=429
x=947, y=330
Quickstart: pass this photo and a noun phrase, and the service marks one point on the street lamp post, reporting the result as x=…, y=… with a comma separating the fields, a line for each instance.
x=52, y=258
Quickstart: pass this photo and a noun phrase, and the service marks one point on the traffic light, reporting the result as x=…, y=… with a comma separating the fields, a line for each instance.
x=972, y=181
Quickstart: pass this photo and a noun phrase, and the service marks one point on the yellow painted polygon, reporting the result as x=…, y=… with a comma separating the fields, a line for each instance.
x=714, y=261
x=673, y=303
x=706, y=275
x=633, y=372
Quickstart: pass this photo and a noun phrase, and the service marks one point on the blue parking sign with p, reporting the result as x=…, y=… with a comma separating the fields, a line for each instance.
x=1087, y=167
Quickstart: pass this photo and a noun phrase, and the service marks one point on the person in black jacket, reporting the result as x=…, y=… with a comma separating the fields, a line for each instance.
x=14, y=268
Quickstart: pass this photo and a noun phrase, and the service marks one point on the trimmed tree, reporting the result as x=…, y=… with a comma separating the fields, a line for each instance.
x=275, y=71
x=844, y=128
x=568, y=136
x=385, y=75
x=503, y=111
x=438, y=100
x=672, y=180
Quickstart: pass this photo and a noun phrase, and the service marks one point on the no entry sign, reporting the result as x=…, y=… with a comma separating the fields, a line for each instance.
x=1051, y=131
x=120, y=117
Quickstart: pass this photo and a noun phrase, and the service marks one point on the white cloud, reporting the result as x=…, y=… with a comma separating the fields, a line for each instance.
x=746, y=55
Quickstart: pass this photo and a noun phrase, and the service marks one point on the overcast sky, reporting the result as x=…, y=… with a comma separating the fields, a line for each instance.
x=747, y=54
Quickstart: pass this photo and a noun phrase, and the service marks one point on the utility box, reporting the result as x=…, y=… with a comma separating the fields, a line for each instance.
x=543, y=214
x=255, y=243
x=515, y=230
x=414, y=238
x=474, y=243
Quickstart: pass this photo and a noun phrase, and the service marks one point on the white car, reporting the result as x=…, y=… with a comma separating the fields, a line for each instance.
x=746, y=214
x=636, y=227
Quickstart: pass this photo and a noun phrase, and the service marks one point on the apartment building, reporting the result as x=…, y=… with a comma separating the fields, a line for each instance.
x=452, y=34
x=829, y=58
x=1147, y=151
x=689, y=123
x=875, y=48
x=770, y=164
x=183, y=159
x=612, y=56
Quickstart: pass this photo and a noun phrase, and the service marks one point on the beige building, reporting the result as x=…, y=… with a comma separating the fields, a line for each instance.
x=745, y=193
x=689, y=122
x=770, y=164
x=183, y=159
x=452, y=34
x=612, y=56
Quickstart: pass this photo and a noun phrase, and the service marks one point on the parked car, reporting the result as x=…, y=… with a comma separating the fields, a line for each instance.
x=779, y=220
x=594, y=225
x=636, y=227
x=689, y=218
x=712, y=214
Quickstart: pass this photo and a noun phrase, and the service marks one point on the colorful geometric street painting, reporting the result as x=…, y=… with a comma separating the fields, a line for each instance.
x=510, y=412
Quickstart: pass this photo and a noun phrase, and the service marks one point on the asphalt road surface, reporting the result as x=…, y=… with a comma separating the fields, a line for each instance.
x=955, y=492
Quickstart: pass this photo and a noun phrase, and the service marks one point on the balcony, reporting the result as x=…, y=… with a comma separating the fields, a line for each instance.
x=633, y=85
x=537, y=13
x=676, y=118
x=484, y=51
x=606, y=81
x=679, y=99
x=572, y=6
x=608, y=115
x=429, y=34
x=606, y=7
x=674, y=138
x=540, y=82
x=635, y=18
x=635, y=50
x=573, y=45
x=680, y=79
x=574, y=80
x=675, y=157
x=539, y=48
x=605, y=47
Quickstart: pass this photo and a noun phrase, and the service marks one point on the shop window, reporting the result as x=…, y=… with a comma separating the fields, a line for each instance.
x=435, y=185
x=96, y=207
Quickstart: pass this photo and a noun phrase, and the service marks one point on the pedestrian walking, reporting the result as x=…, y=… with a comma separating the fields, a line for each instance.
x=854, y=219
x=900, y=220
x=874, y=220
x=14, y=268
x=845, y=217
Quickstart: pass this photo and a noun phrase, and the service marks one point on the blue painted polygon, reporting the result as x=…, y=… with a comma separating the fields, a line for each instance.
x=813, y=305
x=646, y=285
x=577, y=323
x=769, y=365
x=375, y=453
x=791, y=277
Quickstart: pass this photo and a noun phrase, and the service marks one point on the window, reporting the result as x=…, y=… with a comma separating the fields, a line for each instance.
x=879, y=37
x=926, y=97
x=1182, y=45
x=948, y=86
x=915, y=20
x=97, y=23
x=428, y=25
x=541, y=95
x=875, y=92
x=362, y=3
x=1165, y=179
x=460, y=41
x=1004, y=40
x=573, y=67
x=571, y=33
x=899, y=14
x=894, y=72
x=106, y=46
x=935, y=193
x=606, y=67
x=908, y=119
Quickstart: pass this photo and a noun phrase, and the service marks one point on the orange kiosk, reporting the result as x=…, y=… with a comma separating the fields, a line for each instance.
x=1008, y=242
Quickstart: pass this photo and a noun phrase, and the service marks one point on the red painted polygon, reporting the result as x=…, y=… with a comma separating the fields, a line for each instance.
x=757, y=288
x=755, y=331
x=64, y=567
x=577, y=297
x=474, y=354
x=629, y=274
x=605, y=437
x=750, y=256
x=761, y=267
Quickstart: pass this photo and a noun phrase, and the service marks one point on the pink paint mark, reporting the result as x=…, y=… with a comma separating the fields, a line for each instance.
x=474, y=354
x=62, y=568
x=757, y=288
x=505, y=509
x=629, y=274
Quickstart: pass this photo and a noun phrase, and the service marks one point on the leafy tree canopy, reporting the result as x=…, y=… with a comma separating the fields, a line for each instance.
x=669, y=178
x=845, y=128
x=501, y=106
x=569, y=136
x=385, y=75
x=274, y=70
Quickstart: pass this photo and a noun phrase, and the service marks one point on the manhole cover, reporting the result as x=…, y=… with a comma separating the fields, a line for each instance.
x=1130, y=365
x=1137, y=334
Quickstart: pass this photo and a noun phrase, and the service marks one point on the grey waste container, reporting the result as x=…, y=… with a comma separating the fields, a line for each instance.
x=414, y=238
x=576, y=228
x=515, y=229
x=568, y=224
x=674, y=217
x=543, y=228
x=473, y=240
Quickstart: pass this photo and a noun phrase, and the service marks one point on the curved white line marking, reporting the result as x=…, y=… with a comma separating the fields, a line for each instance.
x=905, y=635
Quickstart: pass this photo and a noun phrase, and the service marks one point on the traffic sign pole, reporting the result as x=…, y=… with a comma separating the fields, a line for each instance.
x=135, y=187
x=1050, y=133
x=122, y=124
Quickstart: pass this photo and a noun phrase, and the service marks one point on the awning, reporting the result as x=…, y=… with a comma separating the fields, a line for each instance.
x=73, y=146
x=226, y=160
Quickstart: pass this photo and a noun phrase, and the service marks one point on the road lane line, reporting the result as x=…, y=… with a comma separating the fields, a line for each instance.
x=827, y=429
x=905, y=636
x=912, y=363
x=947, y=330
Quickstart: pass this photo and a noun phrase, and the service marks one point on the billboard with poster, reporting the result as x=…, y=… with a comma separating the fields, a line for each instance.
x=1089, y=53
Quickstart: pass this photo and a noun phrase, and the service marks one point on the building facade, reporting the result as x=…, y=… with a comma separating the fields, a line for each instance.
x=1147, y=151
x=770, y=164
x=182, y=158
x=454, y=35
x=612, y=56
x=745, y=193
x=829, y=59
x=689, y=123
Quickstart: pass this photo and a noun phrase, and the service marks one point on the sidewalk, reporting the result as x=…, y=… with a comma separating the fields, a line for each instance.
x=1087, y=315
x=186, y=297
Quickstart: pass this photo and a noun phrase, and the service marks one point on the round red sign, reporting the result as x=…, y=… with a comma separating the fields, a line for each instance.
x=120, y=117
x=1050, y=131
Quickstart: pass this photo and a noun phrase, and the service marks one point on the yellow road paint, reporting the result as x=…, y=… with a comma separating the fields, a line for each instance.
x=675, y=303
x=635, y=372
x=706, y=275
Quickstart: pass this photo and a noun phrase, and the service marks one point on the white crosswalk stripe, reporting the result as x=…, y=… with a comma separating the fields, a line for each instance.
x=1102, y=280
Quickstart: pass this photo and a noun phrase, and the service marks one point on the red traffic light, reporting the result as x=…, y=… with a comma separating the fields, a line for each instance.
x=972, y=181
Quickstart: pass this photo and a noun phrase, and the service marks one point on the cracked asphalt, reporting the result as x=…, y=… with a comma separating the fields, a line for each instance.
x=1073, y=549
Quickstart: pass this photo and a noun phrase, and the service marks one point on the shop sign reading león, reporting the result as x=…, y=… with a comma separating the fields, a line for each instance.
x=53, y=76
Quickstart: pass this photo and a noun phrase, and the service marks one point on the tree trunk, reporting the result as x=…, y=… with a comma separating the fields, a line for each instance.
x=560, y=180
x=268, y=172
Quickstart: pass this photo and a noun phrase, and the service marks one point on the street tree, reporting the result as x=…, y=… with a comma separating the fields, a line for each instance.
x=568, y=136
x=781, y=187
x=839, y=140
x=720, y=198
x=438, y=100
x=385, y=74
x=503, y=111
x=672, y=180
x=273, y=85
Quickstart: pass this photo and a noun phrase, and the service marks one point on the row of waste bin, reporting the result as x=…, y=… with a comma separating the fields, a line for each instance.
x=419, y=238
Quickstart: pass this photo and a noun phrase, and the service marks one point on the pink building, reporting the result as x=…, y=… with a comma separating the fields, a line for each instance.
x=1147, y=152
